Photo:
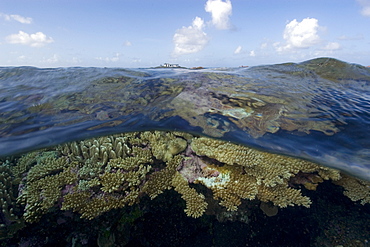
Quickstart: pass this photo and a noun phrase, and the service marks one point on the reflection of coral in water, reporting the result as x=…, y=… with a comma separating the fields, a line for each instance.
x=94, y=176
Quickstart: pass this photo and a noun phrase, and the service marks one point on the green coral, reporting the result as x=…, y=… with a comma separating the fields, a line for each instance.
x=10, y=220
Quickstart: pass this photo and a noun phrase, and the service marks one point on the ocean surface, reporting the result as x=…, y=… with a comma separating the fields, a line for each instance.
x=317, y=110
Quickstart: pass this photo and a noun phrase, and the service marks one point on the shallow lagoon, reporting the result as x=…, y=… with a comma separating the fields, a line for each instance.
x=316, y=110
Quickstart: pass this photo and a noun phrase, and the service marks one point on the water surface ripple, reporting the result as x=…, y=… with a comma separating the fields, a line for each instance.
x=317, y=110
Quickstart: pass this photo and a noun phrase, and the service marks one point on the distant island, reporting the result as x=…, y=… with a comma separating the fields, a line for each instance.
x=175, y=66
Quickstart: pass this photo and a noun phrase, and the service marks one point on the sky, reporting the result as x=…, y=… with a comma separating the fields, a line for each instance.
x=208, y=33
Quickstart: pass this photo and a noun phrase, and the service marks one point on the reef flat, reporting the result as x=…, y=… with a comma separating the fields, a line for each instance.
x=121, y=172
x=316, y=110
x=134, y=157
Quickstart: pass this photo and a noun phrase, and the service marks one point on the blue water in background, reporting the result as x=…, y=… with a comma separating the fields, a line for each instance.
x=45, y=107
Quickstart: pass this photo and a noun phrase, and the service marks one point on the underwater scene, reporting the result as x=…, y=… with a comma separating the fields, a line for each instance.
x=271, y=155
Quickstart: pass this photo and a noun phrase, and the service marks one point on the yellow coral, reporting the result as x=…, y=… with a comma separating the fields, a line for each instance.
x=230, y=185
x=281, y=195
x=164, y=144
x=42, y=194
x=195, y=203
x=224, y=152
x=97, y=150
x=24, y=163
x=269, y=173
x=356, y=189
x=90, y=206
x=162, y=180
x=46, y=166
x=101, y=174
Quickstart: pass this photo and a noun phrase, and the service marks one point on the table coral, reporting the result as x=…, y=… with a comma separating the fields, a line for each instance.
x=356, y=189
x=269, y=173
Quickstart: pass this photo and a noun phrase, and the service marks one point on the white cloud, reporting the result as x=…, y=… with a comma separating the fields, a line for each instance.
x=302, y=34
x=127, y=43
x=34, y=40
x=263, y=45
x=252, y=53
x=238, y=49
x=190, y=39
x=76, y=60
x=51, y=60
x=355, y=37
x=114, y=58
x=220, y=11
x=332, y=46
x=21, y=19
x=365, y=4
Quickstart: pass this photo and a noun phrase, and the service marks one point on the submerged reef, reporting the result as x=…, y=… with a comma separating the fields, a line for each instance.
x=94, y=176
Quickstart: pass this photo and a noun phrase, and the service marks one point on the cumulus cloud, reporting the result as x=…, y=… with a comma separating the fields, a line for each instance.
x=190, y=39
x=21, y=19
x=252, y=53
x=302, y=34
x=365, y=4
x=238, y=50
x=220, y=11
x=34, y=40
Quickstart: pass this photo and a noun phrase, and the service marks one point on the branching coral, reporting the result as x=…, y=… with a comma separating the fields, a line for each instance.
x=10, y=222
x=94, y=176
x=355, y=189
x=42, y=194
x=97, y=175
x=255, y=173
x=160, y=181
x=195, y=204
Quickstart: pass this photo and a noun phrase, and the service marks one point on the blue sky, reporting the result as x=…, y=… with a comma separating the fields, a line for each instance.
x=209, y=33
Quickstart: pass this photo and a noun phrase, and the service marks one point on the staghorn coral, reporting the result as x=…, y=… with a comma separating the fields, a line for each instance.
x=281, y=195
x=46, y=165
x=160, y=181
x=42, y=194
x=195, y=204
x=268, y=168
x=230, y=185
x=10, y=222
x=97, y=175
x=104, y=173
x=252, y=173
x=24, y=163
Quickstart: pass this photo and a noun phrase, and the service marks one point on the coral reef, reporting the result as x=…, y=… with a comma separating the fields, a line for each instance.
x=195, y=204
x=355, y=189
x=94, y=176
x=215, y=106
x=10, y=222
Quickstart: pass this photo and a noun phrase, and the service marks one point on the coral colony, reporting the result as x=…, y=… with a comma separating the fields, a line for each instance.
x=94, y=176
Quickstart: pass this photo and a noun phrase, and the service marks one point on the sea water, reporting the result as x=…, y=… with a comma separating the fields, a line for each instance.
x=317, y=110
